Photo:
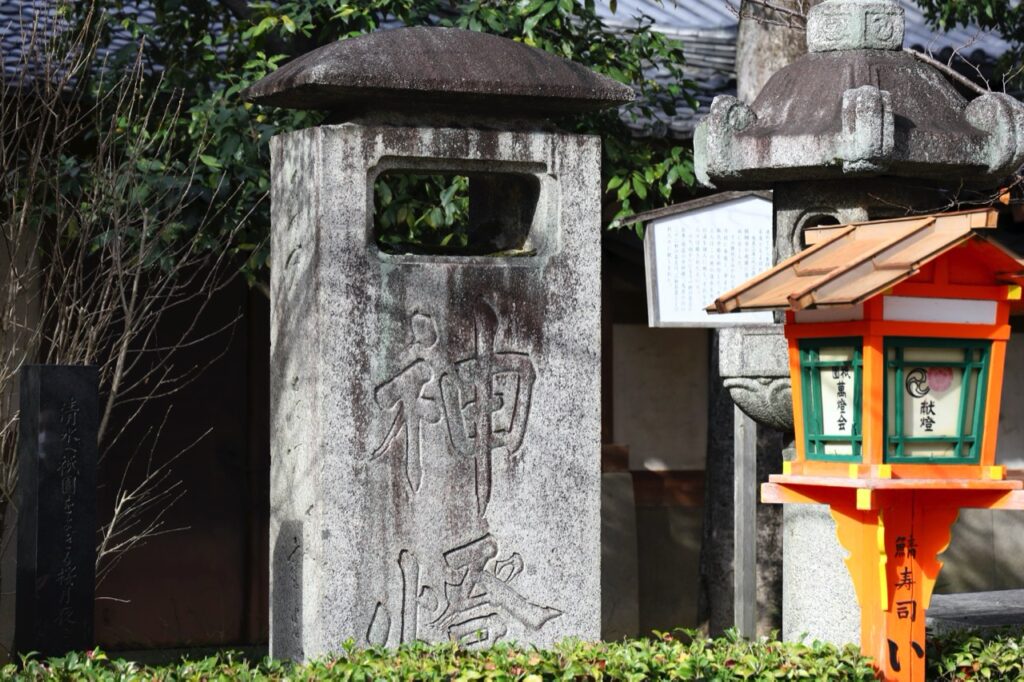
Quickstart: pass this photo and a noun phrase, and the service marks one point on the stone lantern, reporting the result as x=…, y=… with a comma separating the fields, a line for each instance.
x=856, y=130
x=435, y=427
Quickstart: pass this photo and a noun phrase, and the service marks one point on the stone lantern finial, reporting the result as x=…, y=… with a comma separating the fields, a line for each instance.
x=837, y=25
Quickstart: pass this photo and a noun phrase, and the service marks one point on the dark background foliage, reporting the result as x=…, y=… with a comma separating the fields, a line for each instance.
x=201, y=55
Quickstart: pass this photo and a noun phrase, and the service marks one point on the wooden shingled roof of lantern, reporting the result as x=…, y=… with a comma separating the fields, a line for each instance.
x=845, y=265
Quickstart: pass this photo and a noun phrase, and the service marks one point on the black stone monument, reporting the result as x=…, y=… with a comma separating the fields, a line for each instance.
x=56, y=509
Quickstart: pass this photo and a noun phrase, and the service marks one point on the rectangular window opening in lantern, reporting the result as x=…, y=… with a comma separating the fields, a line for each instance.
x=831, y=373
x=935, y=399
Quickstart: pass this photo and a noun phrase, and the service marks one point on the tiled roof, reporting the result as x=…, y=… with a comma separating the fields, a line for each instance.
x=673, y=15
x=690, y=18
x=707, y=29
x=21, y=23
x=967, y=39
x=845, y=265
x=24, y=21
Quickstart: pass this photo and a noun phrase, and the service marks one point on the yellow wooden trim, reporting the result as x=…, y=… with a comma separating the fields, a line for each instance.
x=865, y=499
x=1013, y=292
x=994, y=473
x=787, y=468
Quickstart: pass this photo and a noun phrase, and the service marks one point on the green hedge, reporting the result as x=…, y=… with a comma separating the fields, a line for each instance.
x=686, y=656
x=996, y=655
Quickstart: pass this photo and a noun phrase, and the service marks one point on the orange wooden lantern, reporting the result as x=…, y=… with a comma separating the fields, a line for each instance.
x=897, y=337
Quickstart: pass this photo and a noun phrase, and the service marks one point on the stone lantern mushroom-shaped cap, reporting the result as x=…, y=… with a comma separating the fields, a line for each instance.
x=859, y=105
x=423, y=70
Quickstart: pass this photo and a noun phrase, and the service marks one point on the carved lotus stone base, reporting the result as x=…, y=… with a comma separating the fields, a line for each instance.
x=753, y=363
x=767, y=401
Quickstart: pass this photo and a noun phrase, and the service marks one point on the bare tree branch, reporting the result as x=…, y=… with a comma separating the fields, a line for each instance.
x=93, y=257
x=948, y=71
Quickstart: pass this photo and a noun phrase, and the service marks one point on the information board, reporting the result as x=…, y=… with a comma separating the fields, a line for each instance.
x=694, y=257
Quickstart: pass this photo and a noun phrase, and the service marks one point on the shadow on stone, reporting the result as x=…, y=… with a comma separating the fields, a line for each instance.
x=286, y=593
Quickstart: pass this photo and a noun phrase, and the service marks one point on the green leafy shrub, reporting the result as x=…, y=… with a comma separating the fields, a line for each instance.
x=687, y=657
x=997, y=655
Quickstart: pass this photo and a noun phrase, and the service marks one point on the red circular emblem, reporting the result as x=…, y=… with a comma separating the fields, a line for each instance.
x=940, y=378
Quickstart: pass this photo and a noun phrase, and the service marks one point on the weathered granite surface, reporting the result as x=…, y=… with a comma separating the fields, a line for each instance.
x=818, y=598
x=855, y=25
x=419, y=68
x=435, y=419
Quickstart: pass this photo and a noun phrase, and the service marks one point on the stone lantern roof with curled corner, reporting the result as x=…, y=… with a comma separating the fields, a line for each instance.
x=857, y=129
x=859, y=105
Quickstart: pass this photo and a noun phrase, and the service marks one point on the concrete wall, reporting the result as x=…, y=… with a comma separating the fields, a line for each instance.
x=652, y=510
x=660, y=379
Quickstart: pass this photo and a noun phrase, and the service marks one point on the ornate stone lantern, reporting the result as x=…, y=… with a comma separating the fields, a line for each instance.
x=856, y=130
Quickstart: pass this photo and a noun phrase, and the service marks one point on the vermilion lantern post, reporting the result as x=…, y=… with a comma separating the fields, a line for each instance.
x=897, y=337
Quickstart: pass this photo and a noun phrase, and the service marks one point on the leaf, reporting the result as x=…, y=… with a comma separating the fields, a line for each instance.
x=210, y=161
x=265, y=25
x=435, y=218
x=639, y=187
x=624, y=191
x=384, y=192
x=495, y=23
x=545, y=9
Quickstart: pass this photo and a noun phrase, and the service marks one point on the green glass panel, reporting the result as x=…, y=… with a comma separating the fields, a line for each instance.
x=935, y=399
x=831, y=376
